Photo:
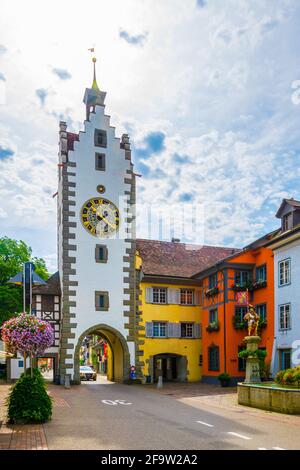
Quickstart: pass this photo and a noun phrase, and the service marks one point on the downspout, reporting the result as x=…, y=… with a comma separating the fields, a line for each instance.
x=224, y=317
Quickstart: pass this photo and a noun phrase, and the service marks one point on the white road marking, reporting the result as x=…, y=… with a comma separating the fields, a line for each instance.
x=205, y=424
x=240, y=435
x=261, y=448
x=115, y=402
x=278, y=448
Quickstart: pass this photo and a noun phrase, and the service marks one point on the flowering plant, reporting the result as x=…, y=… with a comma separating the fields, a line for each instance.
x=27, y=334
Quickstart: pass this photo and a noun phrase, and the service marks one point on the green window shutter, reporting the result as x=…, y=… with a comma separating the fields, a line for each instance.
x=173, y=296
x=149, y=295
x=149, y=329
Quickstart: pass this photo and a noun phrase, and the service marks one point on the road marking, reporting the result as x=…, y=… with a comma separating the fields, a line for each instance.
x=278, y=448
x=205, y=424
x=115, y=402
x=240, y=435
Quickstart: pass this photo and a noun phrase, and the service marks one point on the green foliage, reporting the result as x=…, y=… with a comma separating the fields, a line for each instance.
x=28, y=401
x=214, y=326
x=289, y=377
x=10, y=302
x=224, y=376
x=13, y=254
x=238, y=324
x=260, y=353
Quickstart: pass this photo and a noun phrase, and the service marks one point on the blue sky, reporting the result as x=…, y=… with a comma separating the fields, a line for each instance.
x=209, y=92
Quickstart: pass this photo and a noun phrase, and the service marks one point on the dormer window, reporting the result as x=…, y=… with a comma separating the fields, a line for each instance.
x=288, y=221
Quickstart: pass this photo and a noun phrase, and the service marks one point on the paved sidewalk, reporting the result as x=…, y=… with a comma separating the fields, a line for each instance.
x=19, y=437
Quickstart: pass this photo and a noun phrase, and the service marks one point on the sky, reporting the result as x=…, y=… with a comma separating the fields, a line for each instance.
x=208, y=91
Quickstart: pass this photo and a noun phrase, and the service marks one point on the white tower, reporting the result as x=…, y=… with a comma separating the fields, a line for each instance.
x=96, y=239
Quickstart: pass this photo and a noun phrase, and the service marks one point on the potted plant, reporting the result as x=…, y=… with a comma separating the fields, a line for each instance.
x=224, y=379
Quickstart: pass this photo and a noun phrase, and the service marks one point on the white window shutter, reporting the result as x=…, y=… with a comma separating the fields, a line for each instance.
x=149, y=295
x=197, y=330
x=197, y=295
x=173, y=296
x=177, y=328
x=173, y=330
x=149, y=329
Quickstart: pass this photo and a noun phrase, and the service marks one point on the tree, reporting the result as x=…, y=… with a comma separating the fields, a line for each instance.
x=13, y=254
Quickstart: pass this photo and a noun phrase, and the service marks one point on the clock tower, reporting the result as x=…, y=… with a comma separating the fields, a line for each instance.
x=96, y=240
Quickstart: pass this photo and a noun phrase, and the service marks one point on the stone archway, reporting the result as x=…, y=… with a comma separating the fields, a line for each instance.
x=119, y=348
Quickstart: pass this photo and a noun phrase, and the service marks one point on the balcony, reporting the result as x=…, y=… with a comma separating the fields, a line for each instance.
x=213, y=326
x=212, y=291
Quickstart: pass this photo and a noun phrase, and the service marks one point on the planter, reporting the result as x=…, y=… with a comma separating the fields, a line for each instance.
x=224, y=383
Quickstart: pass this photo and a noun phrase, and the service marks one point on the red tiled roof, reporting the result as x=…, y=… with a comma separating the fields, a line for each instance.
x=178, y=259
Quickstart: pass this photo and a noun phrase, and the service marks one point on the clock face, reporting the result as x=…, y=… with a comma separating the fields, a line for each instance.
x=100, y=217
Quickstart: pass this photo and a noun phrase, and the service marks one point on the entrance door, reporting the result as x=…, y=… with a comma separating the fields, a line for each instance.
x=46, y=366
x=285, y=359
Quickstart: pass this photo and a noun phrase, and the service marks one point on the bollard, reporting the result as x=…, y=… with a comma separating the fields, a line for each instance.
x=67, y=381
x=160, y=382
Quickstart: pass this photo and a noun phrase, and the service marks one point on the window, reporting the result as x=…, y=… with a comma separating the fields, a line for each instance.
x=159, y=295
x=101, y=254
x=101, y=300
x=284, y=272
x=241, y=360
x=262, y=311
x=213, y=281
x=159, y=329
x=187, y=330
x=285, y=359
x=240, y=312
x=100, y=161
x=242, y=277
x=285, y=317
x=261, y=273
x=288, y=221
x=213, y=315
x=100, y=138
x=186, y=297
x=213, y=358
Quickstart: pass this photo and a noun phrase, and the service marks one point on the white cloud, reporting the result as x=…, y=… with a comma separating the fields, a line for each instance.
x=216, y=80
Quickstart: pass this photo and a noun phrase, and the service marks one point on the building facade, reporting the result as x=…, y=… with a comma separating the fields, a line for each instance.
x=286, y=249
x=223, y=322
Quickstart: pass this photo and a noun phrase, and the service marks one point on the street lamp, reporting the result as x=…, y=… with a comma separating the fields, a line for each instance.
x=28, y=278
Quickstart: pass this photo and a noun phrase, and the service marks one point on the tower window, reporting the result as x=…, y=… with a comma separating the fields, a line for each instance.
x=100, y=138
x=100, y=161
x=101, y=254
x=101, y=301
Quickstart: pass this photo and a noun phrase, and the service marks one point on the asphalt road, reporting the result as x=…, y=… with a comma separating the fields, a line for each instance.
x=114, y=416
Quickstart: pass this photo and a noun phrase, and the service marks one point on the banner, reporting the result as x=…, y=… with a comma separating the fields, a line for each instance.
x=242, y=297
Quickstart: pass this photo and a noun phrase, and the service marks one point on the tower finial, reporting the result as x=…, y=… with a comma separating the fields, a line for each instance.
x=94, y=60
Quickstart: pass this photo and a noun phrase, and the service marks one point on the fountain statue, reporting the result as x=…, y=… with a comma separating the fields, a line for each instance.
x=252, y=340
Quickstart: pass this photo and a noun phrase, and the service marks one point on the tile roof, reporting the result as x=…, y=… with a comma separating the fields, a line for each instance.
x=178, y=259
x=52, y=286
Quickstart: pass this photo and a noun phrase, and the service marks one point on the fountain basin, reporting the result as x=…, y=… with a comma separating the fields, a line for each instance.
x=270, y=396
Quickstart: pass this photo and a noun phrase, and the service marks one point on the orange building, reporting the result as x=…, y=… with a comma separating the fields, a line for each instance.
x=222, y=315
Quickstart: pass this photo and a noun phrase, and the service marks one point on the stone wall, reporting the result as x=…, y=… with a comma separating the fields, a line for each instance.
x=270, y=398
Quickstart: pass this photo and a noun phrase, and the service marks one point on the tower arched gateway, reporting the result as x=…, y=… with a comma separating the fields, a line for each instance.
x=120, y=355
x=96, y=239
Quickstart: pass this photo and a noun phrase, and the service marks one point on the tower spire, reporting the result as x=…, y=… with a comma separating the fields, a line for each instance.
x=95, y=84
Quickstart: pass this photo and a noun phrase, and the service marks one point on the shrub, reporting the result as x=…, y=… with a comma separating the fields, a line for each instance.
x=28, y=401
x=289, y=376
x=224, y=376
